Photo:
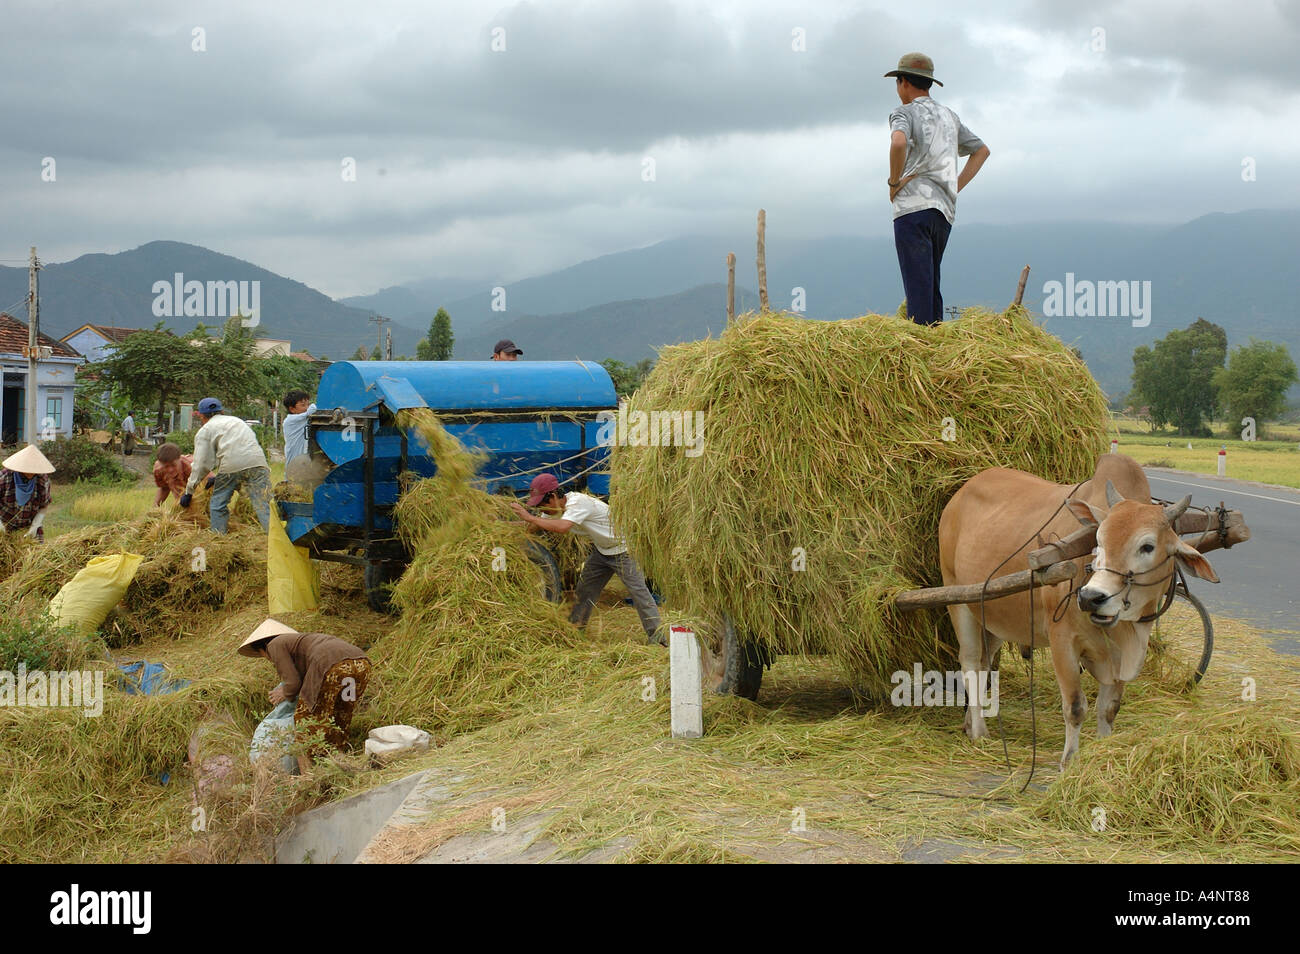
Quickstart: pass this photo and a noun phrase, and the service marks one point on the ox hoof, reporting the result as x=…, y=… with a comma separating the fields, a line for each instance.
x=976, y=730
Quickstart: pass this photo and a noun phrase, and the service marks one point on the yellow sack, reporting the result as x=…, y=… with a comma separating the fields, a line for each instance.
x=87, y=598
x=292, y=582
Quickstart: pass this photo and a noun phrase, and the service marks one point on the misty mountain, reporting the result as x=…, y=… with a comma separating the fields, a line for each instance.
x=1234, y=270
x=117, y=290
x=1230, y=269
x=627, y=330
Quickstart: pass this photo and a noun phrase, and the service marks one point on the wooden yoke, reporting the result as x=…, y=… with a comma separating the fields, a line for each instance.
x=1204, y=522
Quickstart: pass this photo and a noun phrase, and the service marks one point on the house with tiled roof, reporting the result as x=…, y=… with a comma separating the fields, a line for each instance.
x=93, y=341
x=55, y=382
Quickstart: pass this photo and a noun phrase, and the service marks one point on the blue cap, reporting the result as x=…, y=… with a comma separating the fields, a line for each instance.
x=210, y=406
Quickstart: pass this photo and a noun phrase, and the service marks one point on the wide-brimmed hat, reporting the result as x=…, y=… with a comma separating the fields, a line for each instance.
x=29, y=460
x=269, y=629
x=915, y=64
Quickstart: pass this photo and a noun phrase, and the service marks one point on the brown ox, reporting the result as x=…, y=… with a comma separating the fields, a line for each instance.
x=1101, y=630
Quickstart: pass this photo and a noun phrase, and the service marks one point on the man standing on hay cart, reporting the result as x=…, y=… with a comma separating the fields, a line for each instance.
x=590, y=517
x=925, y=140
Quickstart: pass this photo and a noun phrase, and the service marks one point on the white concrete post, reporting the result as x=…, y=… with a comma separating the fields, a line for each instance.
x=1223, y=462
x=1114, y=445
x=686, y=683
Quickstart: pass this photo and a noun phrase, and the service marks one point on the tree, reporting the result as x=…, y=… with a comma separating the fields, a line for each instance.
x=440, y=337
x=1255, y=381
x=1175, y=376
x=281, y=374
x=438, y=345
x=223, y=367
x=361, y=354
x=627, y=378
x=148, y=366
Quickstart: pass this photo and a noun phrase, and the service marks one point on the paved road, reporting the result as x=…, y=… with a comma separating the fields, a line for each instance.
x=1260, y=579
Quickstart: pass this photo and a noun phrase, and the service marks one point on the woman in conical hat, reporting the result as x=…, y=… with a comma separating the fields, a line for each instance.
x=325, y=674
x=25, y=491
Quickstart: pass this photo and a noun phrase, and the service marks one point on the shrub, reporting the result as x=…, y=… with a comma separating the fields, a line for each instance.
x=38, y=643
x=78, y=458
x=182, y=439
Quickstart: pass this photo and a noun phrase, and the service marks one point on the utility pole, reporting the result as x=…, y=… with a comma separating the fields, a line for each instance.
x=388, y=344
x=33, y=346
x=379, y=329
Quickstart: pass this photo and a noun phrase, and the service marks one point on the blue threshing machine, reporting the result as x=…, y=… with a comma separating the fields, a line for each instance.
x=527, y=417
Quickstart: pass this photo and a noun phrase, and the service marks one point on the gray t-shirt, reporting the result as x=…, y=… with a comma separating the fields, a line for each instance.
x=935, y=138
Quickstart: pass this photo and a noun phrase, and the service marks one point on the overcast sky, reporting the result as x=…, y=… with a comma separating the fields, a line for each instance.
x=478, y=163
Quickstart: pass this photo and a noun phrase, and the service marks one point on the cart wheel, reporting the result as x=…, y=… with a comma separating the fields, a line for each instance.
x=552, y=584
x=732, y=666
x=1184, y=636
x=378, y=579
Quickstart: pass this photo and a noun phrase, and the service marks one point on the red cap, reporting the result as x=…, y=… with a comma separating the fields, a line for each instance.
x=542, y=485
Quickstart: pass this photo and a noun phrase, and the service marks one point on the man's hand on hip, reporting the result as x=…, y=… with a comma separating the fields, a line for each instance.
x=894, y=189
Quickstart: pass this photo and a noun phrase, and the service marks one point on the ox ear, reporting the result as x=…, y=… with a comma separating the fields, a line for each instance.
x=1086, y=513
x=1194, y=562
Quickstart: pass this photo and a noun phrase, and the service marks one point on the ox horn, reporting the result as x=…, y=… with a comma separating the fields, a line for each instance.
x=1113, y=496
x=1174, y=511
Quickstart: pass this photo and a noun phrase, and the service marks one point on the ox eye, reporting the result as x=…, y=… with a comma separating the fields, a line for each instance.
x=1146, y=548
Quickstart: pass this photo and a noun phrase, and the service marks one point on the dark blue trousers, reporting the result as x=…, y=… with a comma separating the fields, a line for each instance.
x=920, y=238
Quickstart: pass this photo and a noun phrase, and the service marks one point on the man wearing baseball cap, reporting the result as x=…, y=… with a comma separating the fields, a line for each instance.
x=227, y=445
x=590, y=517
x=506, y=351
x=925, y=140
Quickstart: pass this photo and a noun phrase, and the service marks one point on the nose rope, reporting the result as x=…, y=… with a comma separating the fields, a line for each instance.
x=1131, y=576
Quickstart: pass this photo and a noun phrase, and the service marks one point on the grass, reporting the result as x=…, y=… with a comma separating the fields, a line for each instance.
x=1197, y=776
x=547, y=723
x=79, y=505
x=1266, y=461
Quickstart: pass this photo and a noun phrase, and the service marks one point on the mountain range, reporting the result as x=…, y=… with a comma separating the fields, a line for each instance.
x=1233, y=269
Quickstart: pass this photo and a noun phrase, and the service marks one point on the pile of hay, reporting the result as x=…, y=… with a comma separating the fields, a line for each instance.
x=1209, y=776
x=473, y=642
x=12, y=548
x=824, y=441
x=188, y=573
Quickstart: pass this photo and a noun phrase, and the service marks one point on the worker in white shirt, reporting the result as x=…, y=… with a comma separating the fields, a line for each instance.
x=128, y=434
x=300, y=408
x=590, y=517
x=227, y=445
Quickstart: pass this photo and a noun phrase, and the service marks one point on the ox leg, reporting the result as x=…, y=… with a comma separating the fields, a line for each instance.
x=971, y=653
x=1074, y=704
x=1109, y=696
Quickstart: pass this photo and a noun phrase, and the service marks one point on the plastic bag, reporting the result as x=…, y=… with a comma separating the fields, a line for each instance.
x=275, y=733
x=292, y=583
x=390, y=740
x=87, y=598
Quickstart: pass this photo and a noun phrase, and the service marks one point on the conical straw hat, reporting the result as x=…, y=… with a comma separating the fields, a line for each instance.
x=268, y=629
x=29, y=460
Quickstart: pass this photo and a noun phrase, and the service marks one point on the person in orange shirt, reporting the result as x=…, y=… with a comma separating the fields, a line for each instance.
x=171, y=472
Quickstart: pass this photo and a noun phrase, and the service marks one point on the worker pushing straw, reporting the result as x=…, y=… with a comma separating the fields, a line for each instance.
x=590, y=517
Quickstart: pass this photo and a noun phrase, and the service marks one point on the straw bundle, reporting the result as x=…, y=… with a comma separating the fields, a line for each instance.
x=473, y=641
x=187, y=571
x=825, y=447
x=1220, y=776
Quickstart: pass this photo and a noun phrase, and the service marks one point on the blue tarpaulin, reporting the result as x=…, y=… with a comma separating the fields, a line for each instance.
x=148, y=679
